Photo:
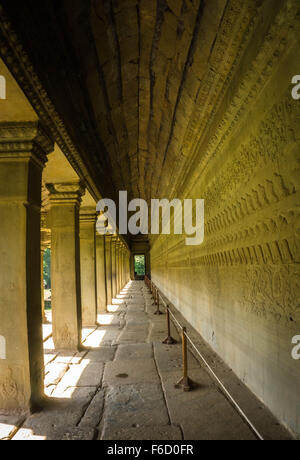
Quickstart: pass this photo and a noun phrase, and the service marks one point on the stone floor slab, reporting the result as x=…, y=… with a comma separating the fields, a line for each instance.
x=58, y=413
x=130, y=372
x=134, y=351
x=142, y=433
x=135, y=405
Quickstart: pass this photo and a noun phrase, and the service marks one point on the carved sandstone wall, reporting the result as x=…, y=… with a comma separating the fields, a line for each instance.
x=240, y=288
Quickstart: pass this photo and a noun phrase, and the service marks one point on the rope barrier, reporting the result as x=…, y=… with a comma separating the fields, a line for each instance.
x=185, y=382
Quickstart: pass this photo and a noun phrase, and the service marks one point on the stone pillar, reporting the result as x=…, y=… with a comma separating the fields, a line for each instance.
x=148, y=264
x=113, y=265
x=101, y=274
x=88, y=273
x=65, y=202
x=108, y=239
x=126, y=266
x=117, y=266
x=121, y=261
x=132, y=266
x=23, y=149
x=122, y=267
x=127, y=262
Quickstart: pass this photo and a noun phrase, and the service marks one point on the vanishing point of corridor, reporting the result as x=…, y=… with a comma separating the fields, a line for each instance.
x=149, y=193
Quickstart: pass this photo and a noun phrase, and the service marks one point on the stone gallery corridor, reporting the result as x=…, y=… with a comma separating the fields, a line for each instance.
x=123, y=388
x=149, y=220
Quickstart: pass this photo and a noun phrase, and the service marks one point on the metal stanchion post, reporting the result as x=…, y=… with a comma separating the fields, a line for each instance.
x=169, y=340
x=158, y=312
x=185, y=383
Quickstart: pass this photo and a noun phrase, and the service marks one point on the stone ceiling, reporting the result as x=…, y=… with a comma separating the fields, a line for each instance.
x=138, y=83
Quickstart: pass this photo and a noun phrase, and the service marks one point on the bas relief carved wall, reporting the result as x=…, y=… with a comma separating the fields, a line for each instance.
x=248, y=172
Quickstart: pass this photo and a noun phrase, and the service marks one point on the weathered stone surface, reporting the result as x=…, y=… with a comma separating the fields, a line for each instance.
x=135, y=352
x=134, y=334
x=65, y=199
x=73, y=434
x=62, y=433
x=94, y=412
x=59, y=413
x=133, y=406
x=169, y=357
x=142, y=433
x=86, y=374
x=129, y=372
x=23, y=153
x=54, y=373
x=102, y=355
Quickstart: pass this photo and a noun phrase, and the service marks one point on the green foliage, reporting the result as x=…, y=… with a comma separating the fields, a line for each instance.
x=47, y=267
x=139, y=265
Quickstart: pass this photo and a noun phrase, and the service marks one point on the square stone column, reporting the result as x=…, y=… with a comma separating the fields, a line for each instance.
x=108, y=265
x=101, y=275
x=122, y=266
x=88, y=272
x=23, y=149
x=118, y=254
x=65, y=202
x=113, y=267
x=127, y=265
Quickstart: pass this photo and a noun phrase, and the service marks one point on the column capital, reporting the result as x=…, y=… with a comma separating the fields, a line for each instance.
x=66, y=193
x=88, y=215
x=45, y=239
x=114, y=238
x=45, y=222
x=25, y=141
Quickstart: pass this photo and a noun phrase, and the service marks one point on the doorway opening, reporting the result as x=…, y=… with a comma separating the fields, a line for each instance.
x=47, y=279
x=139, y=266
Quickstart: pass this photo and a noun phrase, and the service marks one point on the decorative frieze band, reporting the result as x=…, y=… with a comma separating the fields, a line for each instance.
x=25, y=140
x=66, y=193
x=14, y=55
x=88, y=216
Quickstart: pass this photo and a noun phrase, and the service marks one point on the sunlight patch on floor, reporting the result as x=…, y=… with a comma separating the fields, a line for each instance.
x=49, y=344
x=113, y=308
x=69, y=382
x=95, y=339
x=47, y=331
x=105, y=319
x=26, y=434
x=118, y=302
x=86, y=331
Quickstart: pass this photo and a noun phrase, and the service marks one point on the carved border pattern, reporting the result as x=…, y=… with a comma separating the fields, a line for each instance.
x=256, y=78
x=24, y=140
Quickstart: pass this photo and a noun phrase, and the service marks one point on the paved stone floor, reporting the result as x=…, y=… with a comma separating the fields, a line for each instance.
x=122, y=386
